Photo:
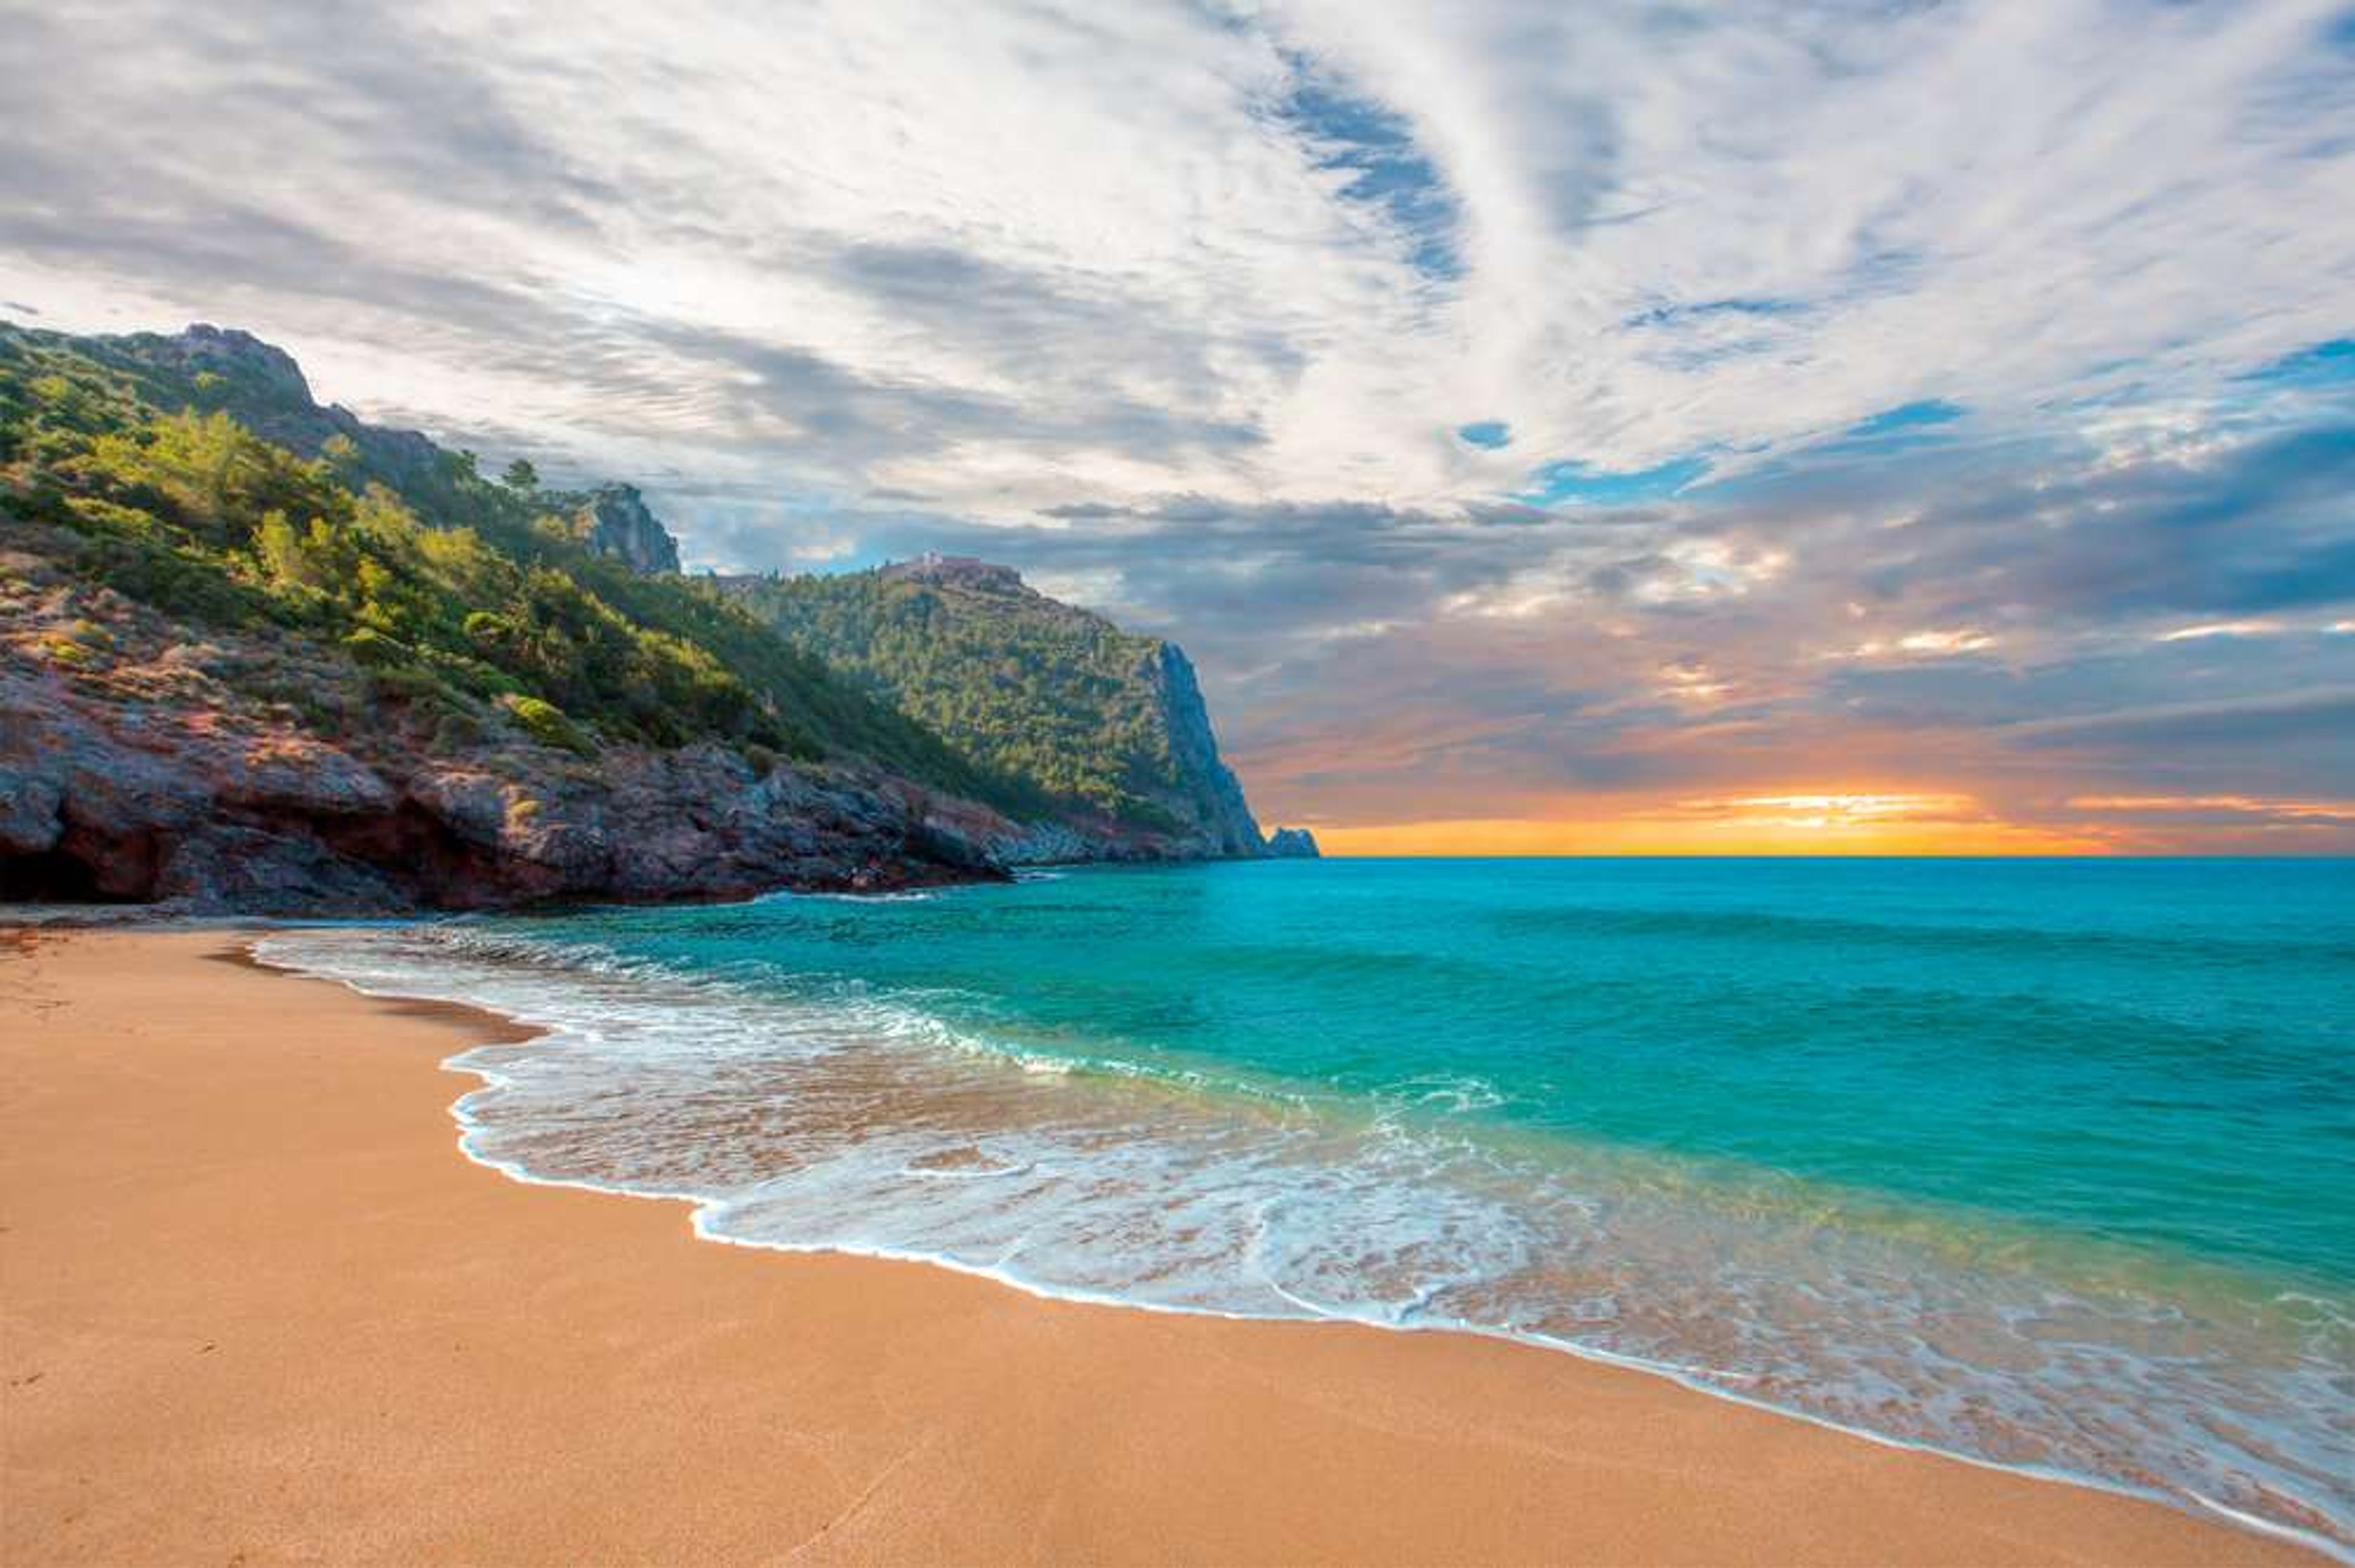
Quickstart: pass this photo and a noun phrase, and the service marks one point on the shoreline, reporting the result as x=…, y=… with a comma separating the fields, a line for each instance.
x=498, y=1028
x=1480, y=1446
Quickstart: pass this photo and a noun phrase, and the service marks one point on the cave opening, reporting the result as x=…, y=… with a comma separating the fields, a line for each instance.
x=53, y=876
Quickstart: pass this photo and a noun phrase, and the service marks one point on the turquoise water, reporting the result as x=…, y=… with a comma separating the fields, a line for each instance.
x=2048, y=1163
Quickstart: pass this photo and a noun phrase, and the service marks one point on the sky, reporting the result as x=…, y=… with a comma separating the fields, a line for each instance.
x=1550, y=428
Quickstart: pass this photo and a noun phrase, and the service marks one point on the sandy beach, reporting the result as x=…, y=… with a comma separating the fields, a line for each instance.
x=255, y=1307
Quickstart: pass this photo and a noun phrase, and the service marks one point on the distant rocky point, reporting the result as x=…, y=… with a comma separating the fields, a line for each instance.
x=1293, y=844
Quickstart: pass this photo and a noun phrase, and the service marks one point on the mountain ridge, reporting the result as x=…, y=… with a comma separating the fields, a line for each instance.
x=257, y=654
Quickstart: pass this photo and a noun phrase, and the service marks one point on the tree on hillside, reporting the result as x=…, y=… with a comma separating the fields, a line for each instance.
x=521, y=476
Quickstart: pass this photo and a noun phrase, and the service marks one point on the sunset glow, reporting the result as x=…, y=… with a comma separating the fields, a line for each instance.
x=1830, y=823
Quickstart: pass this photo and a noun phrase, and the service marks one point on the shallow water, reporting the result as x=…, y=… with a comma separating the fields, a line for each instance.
x=2048, y=1163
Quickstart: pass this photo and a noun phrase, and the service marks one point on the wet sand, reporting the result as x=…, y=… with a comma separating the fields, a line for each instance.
x=255, y=1307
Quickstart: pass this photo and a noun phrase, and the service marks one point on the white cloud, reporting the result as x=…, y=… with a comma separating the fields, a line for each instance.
x=2206, y=629
x=1936, y=644
x=2322, y=810
x=1006, y=256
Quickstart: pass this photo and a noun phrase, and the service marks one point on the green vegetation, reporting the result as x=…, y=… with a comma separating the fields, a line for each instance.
x=547, y=724
x=1062, y=700
x=452, y=591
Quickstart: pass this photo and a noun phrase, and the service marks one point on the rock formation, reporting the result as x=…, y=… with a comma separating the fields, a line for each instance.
x=166, y=781
x=1293, y=844
x=614, y=520
x=1205, y=785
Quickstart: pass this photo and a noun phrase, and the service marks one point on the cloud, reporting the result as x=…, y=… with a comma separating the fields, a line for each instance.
x=2327, y=712
x=2201, y=807
x=1503, y=399
x=2220, y=629
x=1631, y=235
x=1834, y=810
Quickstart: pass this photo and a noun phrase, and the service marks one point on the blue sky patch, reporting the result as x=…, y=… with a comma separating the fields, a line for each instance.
x=1376, y=146
x=1580, y=484
x=1487, y=434
x=1700, y=310
x=2324, y=364
x=1907, y=416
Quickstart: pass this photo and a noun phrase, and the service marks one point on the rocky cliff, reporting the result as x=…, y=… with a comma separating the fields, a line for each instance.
x=1204, y=787
x=216, y=770
x=1101, y=734
x=613, y=519
x=257, y=655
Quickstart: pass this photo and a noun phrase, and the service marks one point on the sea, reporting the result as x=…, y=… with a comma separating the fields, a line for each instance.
x=2045, y=1164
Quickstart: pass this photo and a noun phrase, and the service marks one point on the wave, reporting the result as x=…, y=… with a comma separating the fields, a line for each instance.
x=812, y=1112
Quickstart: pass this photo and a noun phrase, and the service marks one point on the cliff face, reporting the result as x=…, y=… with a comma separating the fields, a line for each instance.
x=1205, y=788
x=268, y=821
x=235, y=677
x=613, y=519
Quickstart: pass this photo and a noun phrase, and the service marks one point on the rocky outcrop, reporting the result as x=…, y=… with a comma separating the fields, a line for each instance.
x=238, y=356
x=1293, y=844
x=613, y=519
x=155, y=807
x=216, y=770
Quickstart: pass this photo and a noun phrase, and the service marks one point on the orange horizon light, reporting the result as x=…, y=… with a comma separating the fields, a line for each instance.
x=1862, y=822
